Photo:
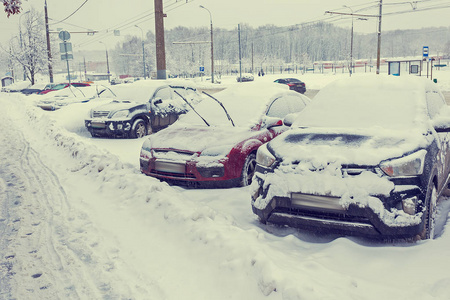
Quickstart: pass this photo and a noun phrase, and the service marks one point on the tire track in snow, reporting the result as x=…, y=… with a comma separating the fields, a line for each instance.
x=40, y=257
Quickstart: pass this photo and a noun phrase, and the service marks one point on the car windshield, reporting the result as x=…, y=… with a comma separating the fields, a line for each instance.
x=245, y=105
x=379, y=102
x=59, y=86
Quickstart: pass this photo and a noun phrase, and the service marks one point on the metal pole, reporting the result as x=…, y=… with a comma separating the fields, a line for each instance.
x=107, y=60
x=212, y=44
x=21, y=43
x=240, y=62
x=379, y=37
x=350, y=70
x=143, y=48
x=67, y=61
x=49, y=52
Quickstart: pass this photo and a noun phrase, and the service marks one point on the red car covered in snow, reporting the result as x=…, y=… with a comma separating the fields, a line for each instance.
x=61, y=86
x=215, y=144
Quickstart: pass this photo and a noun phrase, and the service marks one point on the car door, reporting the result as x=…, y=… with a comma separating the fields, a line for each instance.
x=435, y=105
x=160, y=107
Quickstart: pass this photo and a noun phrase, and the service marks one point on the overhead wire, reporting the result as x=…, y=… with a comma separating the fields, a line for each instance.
x=131, y=23
x=71, y=13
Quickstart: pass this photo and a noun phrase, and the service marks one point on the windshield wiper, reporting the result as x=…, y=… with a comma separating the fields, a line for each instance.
x=220, y=103
x=191, y=107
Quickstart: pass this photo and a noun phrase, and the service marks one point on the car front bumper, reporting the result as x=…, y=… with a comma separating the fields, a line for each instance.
x=189, y=172
x=324, y=214
x=108, y=127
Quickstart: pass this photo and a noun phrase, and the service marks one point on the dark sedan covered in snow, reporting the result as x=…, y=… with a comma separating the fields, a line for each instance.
x=369, y=156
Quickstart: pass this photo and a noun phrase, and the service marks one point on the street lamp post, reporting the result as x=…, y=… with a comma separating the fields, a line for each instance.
x=21, y=43
x=143, y=49
x=107, y=61
x=351, y=44
x=212, y=44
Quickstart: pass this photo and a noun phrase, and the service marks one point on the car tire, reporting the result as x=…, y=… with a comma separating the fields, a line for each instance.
x=248, y=170
x=139, y=129
x=430, y=213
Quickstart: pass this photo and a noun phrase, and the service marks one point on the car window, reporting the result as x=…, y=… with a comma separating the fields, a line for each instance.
x=279, y=108
x=163, y=94
x=296, y=104
x=434, y=103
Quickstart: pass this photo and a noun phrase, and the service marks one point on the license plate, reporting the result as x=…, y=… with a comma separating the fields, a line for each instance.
x=98, y=125
x=170, y=167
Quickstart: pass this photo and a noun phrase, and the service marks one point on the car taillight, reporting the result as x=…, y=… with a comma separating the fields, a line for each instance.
x=291, y=84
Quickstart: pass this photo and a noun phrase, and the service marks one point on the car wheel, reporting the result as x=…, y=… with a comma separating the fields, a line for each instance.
x=248, y=170
x=430, y=214
x=139, y=129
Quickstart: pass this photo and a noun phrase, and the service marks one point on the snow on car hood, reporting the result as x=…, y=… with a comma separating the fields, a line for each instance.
x=346, y=146
x=313, y=161
x=218, y=140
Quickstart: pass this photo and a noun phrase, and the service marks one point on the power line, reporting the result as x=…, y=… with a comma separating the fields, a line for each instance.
x=130, y=23
x=71, y=13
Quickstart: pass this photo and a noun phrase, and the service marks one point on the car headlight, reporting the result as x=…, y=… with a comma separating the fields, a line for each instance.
x=264, y=157
x=411, y=165
x=120, y=114
x=216, y=151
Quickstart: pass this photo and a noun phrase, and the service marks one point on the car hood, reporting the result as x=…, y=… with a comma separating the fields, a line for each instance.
x=218, y=140
x=117, y=105
x=358, y=147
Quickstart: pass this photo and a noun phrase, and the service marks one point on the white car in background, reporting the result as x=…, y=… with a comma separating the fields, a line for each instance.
x=70, y=95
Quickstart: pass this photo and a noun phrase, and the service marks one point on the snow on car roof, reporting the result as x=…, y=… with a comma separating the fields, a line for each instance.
x=371, y=101
x=245, y=104
x=142, y=90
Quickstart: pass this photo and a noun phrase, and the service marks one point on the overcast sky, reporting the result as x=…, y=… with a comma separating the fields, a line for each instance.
x=108, y=15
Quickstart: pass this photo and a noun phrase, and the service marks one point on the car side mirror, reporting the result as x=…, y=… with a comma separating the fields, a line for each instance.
x=441, y=123
x=157, y=101
x=269, y=122
x=289, y=119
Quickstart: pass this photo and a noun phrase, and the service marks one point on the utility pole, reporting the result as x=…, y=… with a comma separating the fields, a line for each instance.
x=49, y=52
x=143, y=48
x=240, y=56
x=379, y=38
x=159, y=36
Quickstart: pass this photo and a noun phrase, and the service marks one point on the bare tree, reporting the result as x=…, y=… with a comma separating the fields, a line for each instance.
x=30, y=51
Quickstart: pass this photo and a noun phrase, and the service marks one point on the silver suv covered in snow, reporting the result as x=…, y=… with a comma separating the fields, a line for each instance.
x=141, y=108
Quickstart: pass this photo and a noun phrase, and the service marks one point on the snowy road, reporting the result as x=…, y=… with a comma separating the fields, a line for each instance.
x=79, y=221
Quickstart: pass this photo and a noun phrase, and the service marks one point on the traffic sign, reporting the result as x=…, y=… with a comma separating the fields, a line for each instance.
x=425, y=51
x=66, y=56
x=64, y=35
x=202, y=69
x=65, y=47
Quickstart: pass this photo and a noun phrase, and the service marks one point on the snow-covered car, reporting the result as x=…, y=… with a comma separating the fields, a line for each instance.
x=61, y=86
x=245, y=77
x=215, y=144
x=369, y=156
x=141, y=108
x=16, y=86
x=37, y=88
x=61, y=98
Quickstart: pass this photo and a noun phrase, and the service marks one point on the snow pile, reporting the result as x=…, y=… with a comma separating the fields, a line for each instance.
x=133, y=237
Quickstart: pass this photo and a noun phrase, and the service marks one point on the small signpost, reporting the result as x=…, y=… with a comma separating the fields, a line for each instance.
x=425, y=51
x=66, y=49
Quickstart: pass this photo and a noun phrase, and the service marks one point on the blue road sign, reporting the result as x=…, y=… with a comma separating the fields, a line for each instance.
x=425, y=51
x=202, y=69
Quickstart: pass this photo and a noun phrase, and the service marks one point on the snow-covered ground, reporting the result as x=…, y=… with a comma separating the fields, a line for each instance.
x=79, y=221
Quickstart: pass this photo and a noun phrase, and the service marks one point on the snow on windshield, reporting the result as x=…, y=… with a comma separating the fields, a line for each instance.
x=245, y=103
x=371, y=101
